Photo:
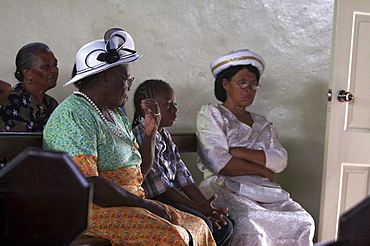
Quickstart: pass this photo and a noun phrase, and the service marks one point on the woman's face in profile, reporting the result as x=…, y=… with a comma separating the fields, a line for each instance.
x=119, y=85
x=44, y=70
x=235, y=93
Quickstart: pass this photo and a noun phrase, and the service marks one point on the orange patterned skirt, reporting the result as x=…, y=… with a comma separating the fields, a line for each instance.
x=138, y=226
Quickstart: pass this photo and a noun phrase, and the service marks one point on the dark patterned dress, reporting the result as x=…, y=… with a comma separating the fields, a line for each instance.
x=20, y=111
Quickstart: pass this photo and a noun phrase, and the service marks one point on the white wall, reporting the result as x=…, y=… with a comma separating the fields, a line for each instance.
x=179, y=39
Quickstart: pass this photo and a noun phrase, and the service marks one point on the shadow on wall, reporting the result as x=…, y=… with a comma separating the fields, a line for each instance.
x=190, y=160
x=303, y=182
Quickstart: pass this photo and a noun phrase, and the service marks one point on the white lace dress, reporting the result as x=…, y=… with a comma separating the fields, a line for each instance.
x=284, y=223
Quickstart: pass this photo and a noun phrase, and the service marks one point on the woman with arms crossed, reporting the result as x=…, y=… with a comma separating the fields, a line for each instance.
x=234, y=142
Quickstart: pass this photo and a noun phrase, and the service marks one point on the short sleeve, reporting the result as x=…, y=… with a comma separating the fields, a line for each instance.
x=213, y=148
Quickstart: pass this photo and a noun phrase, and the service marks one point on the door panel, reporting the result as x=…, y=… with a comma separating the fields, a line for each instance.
x=355, y=184
x=358, y=113
x=347, y=148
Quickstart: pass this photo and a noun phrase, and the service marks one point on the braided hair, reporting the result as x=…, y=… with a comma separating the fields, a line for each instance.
x=146, y=90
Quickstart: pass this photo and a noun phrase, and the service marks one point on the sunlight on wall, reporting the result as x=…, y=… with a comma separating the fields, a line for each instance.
x=179, y=39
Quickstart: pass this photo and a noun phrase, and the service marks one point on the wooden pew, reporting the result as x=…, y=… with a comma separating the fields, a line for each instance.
x=13, y=143
x=45, y=199
x=186, y=142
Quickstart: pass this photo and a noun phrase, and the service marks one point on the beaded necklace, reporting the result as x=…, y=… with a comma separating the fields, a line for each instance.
x=114, y=128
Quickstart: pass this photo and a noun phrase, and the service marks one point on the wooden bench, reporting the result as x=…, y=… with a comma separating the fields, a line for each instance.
x=14, y=143
x=43, y=203
x=185, y=142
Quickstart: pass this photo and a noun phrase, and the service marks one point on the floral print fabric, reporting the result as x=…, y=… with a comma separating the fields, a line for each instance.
x=76, y=128
x=20, y=111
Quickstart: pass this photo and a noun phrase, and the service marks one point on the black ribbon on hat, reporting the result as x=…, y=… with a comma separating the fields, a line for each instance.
x=112, y=56
x=109, y=57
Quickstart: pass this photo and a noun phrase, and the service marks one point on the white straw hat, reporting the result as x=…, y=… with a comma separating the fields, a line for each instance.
x=235, y=58
x=100, y=55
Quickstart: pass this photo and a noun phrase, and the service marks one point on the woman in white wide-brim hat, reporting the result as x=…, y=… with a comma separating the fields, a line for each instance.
x=90, y=126
x=240, y=153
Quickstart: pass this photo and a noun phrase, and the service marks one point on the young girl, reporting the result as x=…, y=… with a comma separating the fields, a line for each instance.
x=169, y=181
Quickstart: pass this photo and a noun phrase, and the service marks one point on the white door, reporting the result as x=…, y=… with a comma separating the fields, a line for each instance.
x=347, y=155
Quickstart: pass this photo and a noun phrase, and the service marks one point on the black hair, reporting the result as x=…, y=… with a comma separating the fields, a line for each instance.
x=146, y=90
x=84, y=82
x=25, y=57
x=228, y=73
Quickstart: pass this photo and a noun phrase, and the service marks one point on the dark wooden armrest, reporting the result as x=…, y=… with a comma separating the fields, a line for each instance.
x=13, y=143
x=85, y=240
x=186, y=142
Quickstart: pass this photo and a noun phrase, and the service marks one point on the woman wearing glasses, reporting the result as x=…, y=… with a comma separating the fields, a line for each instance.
x=90, y=127
x=235, y=145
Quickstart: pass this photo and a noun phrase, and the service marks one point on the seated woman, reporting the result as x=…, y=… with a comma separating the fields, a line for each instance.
x=169, y=181
x=27, y=108
x=90, y=126
x=235, y=142
x=5, y=88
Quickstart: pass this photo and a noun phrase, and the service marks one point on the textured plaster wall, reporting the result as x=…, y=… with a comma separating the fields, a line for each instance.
x=178, y=40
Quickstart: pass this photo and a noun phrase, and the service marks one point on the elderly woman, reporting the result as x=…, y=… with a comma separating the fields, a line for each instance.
x=27, y=107
x=90, y=126
x=237, y=146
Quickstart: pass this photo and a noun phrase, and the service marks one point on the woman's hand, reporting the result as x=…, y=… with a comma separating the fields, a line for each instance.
x=152, y=119
x=214, y=214
x=158, y=210
x=152, y=116
x=268, y=174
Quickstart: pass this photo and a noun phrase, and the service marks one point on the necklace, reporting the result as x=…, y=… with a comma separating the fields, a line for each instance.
x=114, y=128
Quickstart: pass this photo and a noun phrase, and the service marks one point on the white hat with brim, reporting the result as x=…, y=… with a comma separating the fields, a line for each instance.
x=236, y=58
x=95, y=57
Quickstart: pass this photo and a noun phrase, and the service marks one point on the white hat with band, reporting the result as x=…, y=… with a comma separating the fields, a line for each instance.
x=235, y=58
x=102, y=54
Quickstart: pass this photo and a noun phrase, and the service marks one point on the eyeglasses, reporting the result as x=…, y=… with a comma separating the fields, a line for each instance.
x=244, y=84
x=130, y=81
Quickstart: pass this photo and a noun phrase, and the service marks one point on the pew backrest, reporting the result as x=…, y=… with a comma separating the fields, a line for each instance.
x=13, y=143
x=45, y=199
